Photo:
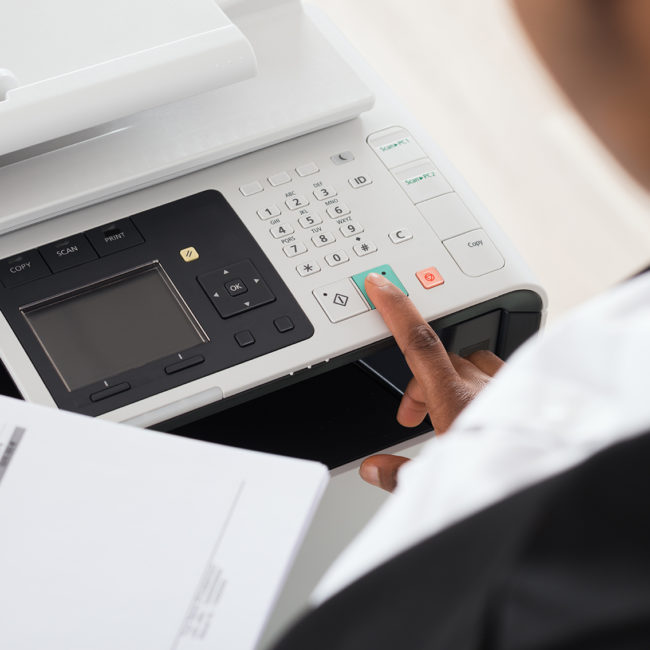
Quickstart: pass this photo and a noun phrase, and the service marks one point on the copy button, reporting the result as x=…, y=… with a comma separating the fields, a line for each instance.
x=22, y=268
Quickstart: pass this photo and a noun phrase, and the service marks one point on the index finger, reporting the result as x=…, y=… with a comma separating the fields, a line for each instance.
x=420, y=345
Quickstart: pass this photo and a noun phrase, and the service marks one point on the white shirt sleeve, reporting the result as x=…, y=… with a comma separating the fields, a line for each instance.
x=565, y=395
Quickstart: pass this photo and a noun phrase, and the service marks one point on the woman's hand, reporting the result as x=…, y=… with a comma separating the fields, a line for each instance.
x=442, y=385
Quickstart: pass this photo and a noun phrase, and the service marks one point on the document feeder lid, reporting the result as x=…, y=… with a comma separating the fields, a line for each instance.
x=70, y=65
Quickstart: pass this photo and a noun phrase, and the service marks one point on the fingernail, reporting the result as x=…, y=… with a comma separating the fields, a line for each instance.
x=370, y=474
x=377, y=279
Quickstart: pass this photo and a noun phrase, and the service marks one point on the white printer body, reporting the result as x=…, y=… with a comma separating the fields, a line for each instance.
x=186, y=254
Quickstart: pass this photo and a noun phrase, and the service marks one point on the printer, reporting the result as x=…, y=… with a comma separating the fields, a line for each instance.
x=191, y=197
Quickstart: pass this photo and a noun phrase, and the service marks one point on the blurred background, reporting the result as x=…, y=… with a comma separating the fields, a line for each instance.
x=465, y=70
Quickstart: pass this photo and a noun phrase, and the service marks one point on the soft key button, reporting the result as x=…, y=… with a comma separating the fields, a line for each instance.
x=421, y=181
x=110, y=392
x=341, y=300
x=68, y=253
x=283, y=324
x=475, y=253
x=448, y=216
x=307, y=169
x=279, y=179
x=251, y=188
x=184, y=364
x=395, y=147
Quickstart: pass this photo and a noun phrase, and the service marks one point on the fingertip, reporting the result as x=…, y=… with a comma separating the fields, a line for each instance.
x=382, y=292
x=381, y=470
x=369, y=472
x=377, y=280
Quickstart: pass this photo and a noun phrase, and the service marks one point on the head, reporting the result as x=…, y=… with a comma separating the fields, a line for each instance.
x=599, y=53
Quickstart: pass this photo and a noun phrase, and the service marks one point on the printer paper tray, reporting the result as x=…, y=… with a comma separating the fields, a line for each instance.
x=303, y=85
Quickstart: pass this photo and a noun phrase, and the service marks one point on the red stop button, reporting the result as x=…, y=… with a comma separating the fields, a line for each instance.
x=430, y=277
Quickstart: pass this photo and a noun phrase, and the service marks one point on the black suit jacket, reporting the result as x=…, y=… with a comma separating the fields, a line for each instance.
x=563, y=564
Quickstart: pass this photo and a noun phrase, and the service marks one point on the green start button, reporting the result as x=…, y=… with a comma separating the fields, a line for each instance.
x=385, y=270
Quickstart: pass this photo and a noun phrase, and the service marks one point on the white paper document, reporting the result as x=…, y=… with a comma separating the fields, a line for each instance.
x=116, y=538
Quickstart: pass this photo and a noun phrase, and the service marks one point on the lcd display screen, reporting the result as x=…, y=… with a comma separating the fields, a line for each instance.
x=113, y=326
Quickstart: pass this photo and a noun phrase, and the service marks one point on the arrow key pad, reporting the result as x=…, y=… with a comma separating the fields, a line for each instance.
x=236, y=288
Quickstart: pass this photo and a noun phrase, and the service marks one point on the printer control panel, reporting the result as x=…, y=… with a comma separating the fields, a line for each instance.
x=146, y=303
x=311, y=221
x=248, y=272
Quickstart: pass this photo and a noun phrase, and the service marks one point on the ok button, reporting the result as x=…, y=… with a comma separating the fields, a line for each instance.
x=235, y=287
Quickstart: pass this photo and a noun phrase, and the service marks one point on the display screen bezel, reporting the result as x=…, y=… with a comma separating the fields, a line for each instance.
x=96, y=287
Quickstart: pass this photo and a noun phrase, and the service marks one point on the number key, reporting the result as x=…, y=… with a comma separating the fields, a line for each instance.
x=338, y=210
x=324, y=192
x=281, y=230
x=309, y=220
x=323, y=239
x=339, y=257
x=295, y=202
x=267, y=213
x=291, y=250
x=351, y=228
